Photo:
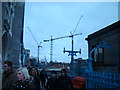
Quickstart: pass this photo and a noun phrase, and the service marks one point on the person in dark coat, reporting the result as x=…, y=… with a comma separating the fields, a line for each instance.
x=25, y=81
x=33, y=72
x=64, y=81
x=52, y=81
x=43, y=77
x=8, y=76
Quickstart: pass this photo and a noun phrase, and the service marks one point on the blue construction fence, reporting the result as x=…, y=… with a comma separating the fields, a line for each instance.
x=102, y=80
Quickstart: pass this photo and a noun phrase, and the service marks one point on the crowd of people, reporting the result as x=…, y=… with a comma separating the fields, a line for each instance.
x=31, y=79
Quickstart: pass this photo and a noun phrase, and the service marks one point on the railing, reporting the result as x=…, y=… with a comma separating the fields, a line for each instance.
x=102, y=80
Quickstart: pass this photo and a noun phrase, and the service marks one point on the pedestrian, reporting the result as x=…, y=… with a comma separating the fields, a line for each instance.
x=52, y=81
x=25, y=81
x=8, y=76
x=43, y=77
x=34, y=73
x=64, y=81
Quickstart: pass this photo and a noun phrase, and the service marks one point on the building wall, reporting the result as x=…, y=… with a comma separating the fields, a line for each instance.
x=32, y=61
x=27, y=55
x=17, y=28
x=13, y=17
x=7, y=19
x=0, y=45
x=108, y=60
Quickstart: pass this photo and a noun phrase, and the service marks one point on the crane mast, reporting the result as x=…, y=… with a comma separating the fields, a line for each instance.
x=51, y=47
x=51, y=54
x=52, y=39
x=38, y=44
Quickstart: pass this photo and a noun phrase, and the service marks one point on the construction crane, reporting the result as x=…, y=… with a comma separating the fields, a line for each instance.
x=38, y=44
x=51, y=40
x=72, y=53
x=72, y=34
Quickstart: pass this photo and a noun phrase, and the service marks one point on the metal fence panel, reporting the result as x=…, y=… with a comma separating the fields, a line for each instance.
x=102, y=80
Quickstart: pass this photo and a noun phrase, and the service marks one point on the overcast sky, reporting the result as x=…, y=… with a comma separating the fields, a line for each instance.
x=58, y=19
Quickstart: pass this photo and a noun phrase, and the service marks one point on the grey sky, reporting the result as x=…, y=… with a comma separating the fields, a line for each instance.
x=58, y=19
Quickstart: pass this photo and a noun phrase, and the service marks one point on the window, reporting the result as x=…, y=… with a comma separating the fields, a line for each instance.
x=95, y=55
x=98, y=55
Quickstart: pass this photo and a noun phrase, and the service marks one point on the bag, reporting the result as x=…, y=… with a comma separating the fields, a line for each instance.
x=78, y=82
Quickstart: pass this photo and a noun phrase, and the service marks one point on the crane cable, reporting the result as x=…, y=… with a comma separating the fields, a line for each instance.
x=77, y=24
x=32, y=35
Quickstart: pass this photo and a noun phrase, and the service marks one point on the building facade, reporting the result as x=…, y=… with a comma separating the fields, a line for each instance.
x=12, y=30
x=32, y=61
x=107, y=57
x=27, y=56
x=0, y=45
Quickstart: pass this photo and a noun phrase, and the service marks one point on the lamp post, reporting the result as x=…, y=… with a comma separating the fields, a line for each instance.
x=72, y=53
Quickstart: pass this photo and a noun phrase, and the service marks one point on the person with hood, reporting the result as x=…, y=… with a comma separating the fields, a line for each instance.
x=25, y=81
x=8, y=76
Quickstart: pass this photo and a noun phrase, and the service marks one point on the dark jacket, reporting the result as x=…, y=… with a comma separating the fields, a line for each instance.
x=8, y=79
x=43, y=75
x=37, y=81
x=64, y=83
x=51, y=83
x=26, y=85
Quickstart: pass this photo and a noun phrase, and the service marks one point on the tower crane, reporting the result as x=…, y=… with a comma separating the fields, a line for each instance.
x=38, y=44
x=72, y=53
x=52, y=39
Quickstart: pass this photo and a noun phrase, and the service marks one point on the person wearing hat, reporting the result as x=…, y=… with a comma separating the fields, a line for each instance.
x=52, y=81
x=64, y=81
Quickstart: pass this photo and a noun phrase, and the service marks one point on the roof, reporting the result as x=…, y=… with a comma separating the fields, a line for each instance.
x=109, y=28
